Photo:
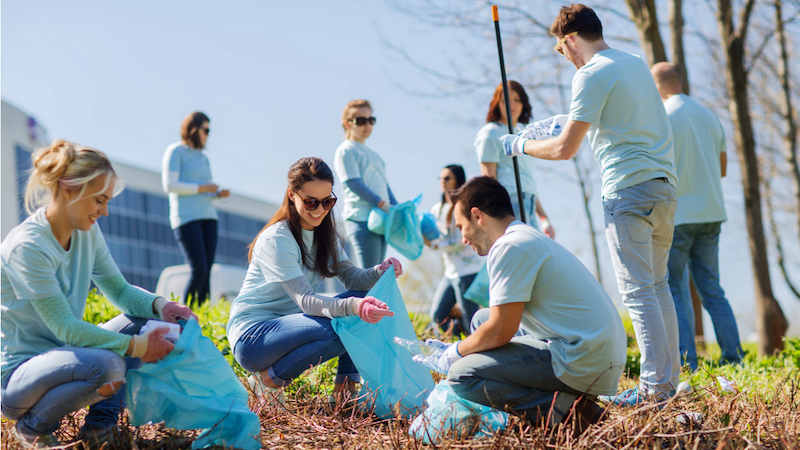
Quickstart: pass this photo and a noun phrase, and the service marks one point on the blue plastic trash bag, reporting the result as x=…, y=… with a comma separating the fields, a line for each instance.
x=377, y=221
x=427, y=224
x=478, y=291
x=390, y=376
x=194, y=387
x=403, y=230
x=449, y=415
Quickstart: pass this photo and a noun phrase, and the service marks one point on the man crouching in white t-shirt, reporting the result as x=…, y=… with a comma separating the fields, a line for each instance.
x=551, y=337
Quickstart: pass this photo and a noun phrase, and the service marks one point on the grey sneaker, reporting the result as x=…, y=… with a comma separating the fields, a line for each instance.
x=273, y=396
x=27, y=441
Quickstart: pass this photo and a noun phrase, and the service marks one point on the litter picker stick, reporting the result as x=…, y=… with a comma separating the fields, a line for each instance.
x=496, y=19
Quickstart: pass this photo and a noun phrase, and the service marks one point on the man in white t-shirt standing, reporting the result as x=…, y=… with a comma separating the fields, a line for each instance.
x=551, y=338
x=701, y=159
x=616, y=104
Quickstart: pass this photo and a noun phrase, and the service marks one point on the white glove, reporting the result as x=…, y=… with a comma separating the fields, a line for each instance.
x=449, y=356
x=513, y=144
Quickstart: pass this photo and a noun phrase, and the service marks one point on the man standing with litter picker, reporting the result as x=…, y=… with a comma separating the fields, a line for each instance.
x=615, y=102
x=701, y=159
x=551, y=338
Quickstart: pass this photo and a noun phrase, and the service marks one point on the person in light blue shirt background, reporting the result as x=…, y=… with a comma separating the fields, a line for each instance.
x=186, y=178
x=701, y=160
x=616, y=104
x=496, y=165
x=365, y=185
x=53, y=362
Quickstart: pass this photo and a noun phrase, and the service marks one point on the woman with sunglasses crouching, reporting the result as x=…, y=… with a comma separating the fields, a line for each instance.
x=363, y=173
x=54, y=363
x=279, y=326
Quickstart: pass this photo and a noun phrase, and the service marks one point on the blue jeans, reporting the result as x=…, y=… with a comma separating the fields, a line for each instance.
x=198, y=242
x=698, y=244
x=529, y=202
x=47, y=387
x=369, y=249
x=449, y=293
x=285, y=347
x=639, y=226
x=517, y=377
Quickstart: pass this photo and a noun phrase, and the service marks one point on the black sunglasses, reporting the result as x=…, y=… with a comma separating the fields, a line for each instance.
x=361, y=121
x=447, y=178
x=207, y=130
x=311, y=204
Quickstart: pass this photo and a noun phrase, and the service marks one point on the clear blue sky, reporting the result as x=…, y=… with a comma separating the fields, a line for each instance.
x=273, y=77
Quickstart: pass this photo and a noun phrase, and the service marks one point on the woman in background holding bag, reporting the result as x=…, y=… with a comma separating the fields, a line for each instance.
x=363, y=174
x=279, y=326
x=54, y=363
x=461, y=263
x=186, y=177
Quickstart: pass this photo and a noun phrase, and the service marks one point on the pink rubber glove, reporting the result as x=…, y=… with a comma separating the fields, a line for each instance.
x=173, y=311
x=151, y=346
x=398, y=269
x=372, y=310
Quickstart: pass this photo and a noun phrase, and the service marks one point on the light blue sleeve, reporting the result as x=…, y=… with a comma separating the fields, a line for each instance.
x=174, y=161
x=512, y=274
x=357, y=186
x=489, y=150
x=104, y=265
x=589, y=98
x=278, y=258
x=347, y=165
x=31, y=273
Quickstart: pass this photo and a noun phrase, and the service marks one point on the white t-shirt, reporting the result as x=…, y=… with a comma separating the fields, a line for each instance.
x=630, y=133
x=566, y=308
x=490, y=150
x=355, y=160
x=699, y=141
x=276, y=258
x=459, y=259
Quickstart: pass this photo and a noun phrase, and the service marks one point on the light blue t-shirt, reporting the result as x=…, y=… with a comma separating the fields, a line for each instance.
x=699, y=141
x=356, y=160
x=566, y=308
x=276, y=258
x=35, y=267
x=630, y=133
x=490, y=150
x=193, y=167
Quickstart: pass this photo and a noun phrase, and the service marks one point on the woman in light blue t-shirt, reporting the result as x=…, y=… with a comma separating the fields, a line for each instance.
x=363, y=174
x=54, y=363
x=278, y=325
x=186, y=178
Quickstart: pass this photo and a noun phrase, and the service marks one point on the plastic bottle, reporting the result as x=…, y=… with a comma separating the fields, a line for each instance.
x=424, y=354
x=548, y=128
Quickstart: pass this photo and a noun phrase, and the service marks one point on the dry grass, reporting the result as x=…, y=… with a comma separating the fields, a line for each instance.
x=765, y=419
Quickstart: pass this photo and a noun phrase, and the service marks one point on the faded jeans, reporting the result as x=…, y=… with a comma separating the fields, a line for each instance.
x=449, y=293
x=639, y=227
x=369, y=249
x=47, y=387
x=517, y=377
x=529, y=202
x=698, y=244
x=287, y=346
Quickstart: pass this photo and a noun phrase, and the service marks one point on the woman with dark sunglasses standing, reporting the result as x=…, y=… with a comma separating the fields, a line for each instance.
x=279, y=326
x=461, y=262
x=363, y=173
x=186, y=177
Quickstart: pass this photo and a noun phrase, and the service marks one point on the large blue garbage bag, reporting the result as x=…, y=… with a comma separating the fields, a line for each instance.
x=403, y=231
x=390, y=375
x=478, y=291
x=194, y=387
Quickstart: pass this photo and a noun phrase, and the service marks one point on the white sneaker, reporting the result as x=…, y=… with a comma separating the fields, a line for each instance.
x=273, y=396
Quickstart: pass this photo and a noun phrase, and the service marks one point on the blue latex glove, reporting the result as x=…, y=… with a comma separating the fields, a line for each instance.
x=513, y=144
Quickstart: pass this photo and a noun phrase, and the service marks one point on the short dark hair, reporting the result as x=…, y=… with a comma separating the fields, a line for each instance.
x=494, y=106
x=486, y=194
x=189, y=129
x=580, y=18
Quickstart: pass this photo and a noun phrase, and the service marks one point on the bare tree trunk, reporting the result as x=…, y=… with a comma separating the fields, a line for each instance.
x=678, y=58
x=774, y=228
x=788, y=108
x=643, y=13
x=771, y=323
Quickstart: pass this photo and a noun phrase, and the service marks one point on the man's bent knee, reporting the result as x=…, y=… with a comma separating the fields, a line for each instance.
x=108, y=389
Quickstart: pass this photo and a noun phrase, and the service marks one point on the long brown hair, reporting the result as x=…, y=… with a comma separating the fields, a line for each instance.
x=190, y=129
x=326, y=258
x=494, y=107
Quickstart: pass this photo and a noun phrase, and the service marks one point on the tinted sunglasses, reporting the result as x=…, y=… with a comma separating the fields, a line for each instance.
x=207, y=130
x=447, y=178
x=311, y=204
x=562, y=40
x=361, y=121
